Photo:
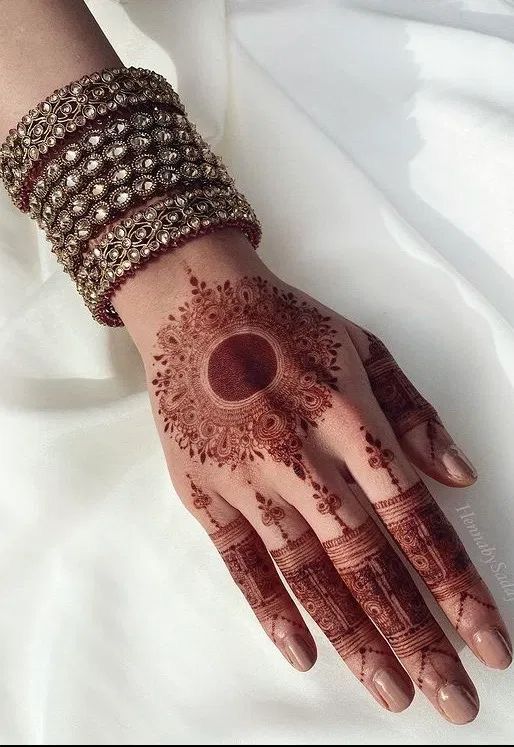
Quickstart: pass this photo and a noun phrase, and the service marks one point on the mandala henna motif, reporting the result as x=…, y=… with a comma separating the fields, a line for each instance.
x=244, y=369
x=400, y=401
x=316, y=584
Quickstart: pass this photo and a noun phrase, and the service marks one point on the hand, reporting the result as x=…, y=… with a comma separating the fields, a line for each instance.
x=291, y=434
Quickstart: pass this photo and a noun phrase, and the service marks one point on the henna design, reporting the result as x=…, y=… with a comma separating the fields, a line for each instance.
x=464, y=597
x=400, y=401
x=428, y=654
x=327, y=502
x=310, y=575
x=251, y=568
x=316, y=584
x=431, y=543
x=202, y=501
x=364, y=651
x=378, y=580
x=381, y=584
x=244, y=368
x=271, y=514
x=380, y=457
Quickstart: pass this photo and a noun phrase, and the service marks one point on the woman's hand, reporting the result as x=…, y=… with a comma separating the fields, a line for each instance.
x=292, y=435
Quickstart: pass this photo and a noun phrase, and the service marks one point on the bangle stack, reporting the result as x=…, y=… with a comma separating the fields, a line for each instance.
x=94, y=155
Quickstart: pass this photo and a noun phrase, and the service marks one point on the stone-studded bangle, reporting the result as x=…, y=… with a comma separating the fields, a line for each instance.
x=155, y=230
x=65, y=172
x=71, y=108
x=136, y=165
x=119, y=175
x=105, y=145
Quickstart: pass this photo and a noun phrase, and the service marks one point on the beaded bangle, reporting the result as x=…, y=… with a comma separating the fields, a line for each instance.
x=153, y=231
x=118, y=176
x=74, y=175
x=65, y=171
x=71, y=108
x=135, y=165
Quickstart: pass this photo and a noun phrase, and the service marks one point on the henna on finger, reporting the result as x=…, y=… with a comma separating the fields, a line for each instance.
x=316, y=584
x=378, y=580
x=413, y=419
x=383, y=587
x=402, y=404
x=252, y=569
x=202, y=501
x=433, y=547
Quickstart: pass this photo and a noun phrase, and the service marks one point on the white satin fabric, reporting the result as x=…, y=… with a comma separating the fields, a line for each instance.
x=375, y=140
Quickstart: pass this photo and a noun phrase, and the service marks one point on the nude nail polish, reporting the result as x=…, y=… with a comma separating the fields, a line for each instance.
x=457, y=464
x=299, y=652
x=457, y=703
x=391, y=688
x=492, y=648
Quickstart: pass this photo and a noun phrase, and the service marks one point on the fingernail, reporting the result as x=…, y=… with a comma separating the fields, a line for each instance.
x=299, y=652
x=492, y=648
x=458, y=704
x=457, y=464
x=392, y=688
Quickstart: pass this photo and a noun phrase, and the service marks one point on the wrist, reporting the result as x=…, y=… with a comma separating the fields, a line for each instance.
x=158, y=287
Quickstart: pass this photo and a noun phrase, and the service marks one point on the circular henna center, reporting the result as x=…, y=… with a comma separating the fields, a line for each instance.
x=240, y=366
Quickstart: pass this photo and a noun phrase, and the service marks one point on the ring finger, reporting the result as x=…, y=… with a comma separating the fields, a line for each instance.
x=314, y=581
x=383, y=587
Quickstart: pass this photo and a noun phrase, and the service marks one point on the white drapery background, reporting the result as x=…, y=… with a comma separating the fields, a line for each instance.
x=375, y=140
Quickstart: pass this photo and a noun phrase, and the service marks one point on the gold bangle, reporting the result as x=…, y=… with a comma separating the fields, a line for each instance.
x=71, y=108
x=141, y=146
x=160, y=157
x=58, y=173
x=128, y=167
x=152, y=231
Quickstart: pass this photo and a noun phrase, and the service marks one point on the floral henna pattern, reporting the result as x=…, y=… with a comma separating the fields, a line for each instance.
x=271, y=514
x=400, y=401
x=328, y=502
x=244, y=369
x=314, y=581
x=202, y=502
x=380, y=457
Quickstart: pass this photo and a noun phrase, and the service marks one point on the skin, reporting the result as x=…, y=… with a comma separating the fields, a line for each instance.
x=312, y=499
x=230, y=350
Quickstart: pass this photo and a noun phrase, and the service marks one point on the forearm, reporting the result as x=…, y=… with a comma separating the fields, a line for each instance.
x=45, y=44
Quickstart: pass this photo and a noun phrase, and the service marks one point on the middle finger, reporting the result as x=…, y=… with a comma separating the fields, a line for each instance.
x=383, y=587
